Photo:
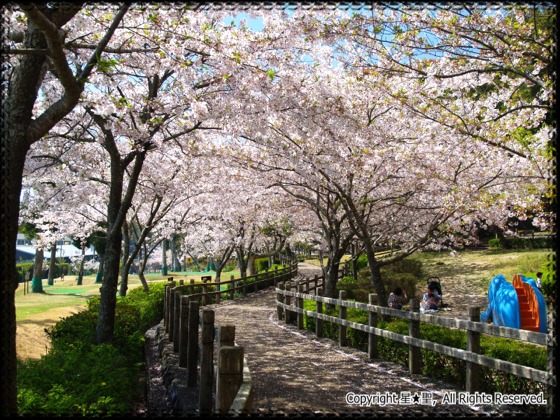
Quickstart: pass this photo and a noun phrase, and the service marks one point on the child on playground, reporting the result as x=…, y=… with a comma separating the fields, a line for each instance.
x=539, y=280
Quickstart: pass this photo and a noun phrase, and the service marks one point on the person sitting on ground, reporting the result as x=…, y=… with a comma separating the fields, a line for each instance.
x=397, y=298
x=437, y=296
x=430, y=303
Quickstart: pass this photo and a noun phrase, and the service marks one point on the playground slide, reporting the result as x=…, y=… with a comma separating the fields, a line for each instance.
x=519, y=304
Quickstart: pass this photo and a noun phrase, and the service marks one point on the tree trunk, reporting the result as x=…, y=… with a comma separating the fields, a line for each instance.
x=99, y=275
x=52, y=264
x=164, y=269
x=241, y=262
x=375, y=271
x=37, y=281
x=125, y=259
x=81, y=269
x=175, y=263
x=116, y=216
x=108, y=290
x=141, y=267
x=14, y=149
x=251, y=266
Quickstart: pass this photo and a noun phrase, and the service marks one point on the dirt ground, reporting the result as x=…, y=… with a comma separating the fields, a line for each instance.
x=31, y=340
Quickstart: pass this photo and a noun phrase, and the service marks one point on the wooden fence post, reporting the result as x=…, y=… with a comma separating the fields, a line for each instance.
x=287, y=301
x=299, y=305
x=184, y=332
x=414, y=355
x=168, y=288
x=342, y=340
x=232, y=287
x=473, y=344
x=316, y=278
x=204, y=290
x=218, y=290
x=229, y=377
x=171, y=310
x=192, y=350
x=372, y=322
x=226, y=336
x=319, y=310
x=244, y=282
x=551, y=359
x=280, y=299
x=206, y=362
x=177, y=316
x=257, y=281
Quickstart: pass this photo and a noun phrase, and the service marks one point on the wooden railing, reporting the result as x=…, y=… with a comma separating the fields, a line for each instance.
x=184, y=313
x=290, y=303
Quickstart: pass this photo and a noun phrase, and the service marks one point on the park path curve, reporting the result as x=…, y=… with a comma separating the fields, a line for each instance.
x=294, y=372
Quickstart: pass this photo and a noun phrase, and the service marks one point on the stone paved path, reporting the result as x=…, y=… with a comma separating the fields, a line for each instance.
x=294, y=372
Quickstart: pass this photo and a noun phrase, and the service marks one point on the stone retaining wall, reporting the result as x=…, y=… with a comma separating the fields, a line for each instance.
x=167, y=392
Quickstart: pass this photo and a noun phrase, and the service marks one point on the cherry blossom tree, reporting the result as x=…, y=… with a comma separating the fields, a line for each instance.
x=35, y=50
x=401, y=178
x=341, y=116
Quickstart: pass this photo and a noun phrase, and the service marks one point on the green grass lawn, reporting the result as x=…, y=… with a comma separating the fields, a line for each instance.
x=66, y=293
x=477, y=267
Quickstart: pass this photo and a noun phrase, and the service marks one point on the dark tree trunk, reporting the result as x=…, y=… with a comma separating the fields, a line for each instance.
x=175, y=263
x=125, y=259
x=108, y=290
x=164, y=270
x=52, y=265
x=37, y=281
x=141, y=267
x=241, y=262
x=81, y=269
x=375, y=271
x=13, y=156
x=99, y=275
x=116, y=216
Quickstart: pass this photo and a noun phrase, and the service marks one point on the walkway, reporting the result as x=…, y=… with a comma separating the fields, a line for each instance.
x=294, y=372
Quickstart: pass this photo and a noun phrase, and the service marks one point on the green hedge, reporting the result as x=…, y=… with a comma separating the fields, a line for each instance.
x=405, y=273
x=80, y=378
x=523, y=243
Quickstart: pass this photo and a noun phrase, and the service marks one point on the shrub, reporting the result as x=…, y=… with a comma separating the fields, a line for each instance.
x=549, y=281
x=522, y=243
x=404, y=273
x=80, y=378
x=356, y=289
x=494, y=243
x=78, y=383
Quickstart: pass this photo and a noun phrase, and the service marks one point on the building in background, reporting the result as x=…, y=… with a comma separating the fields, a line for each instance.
x=25, y=250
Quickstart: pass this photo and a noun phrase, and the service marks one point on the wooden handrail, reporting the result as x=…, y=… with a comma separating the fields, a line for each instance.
x=470, y=326
x=182, y=328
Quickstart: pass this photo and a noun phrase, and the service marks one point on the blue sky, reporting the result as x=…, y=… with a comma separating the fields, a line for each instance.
x=253, y=23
